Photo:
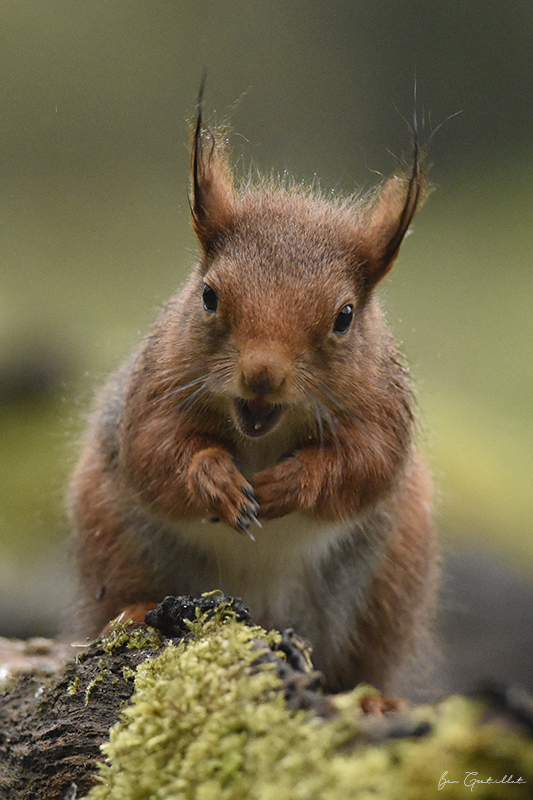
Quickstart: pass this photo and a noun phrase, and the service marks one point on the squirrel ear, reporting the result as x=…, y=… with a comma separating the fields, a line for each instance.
x=212, y=194
x=386, y=220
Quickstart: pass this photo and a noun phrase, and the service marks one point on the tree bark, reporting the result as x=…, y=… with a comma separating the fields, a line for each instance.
x=55, y=712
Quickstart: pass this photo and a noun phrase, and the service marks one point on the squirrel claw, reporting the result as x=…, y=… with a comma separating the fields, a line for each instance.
x=248, y=514
x=253, y=518
x=248, y=492
x=289, y=454
x=243, y=523
x=244, y=526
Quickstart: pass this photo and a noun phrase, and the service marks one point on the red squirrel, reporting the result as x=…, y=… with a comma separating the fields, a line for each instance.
x=262, y=438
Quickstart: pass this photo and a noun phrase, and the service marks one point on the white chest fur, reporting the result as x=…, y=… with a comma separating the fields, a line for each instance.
x=275, y=573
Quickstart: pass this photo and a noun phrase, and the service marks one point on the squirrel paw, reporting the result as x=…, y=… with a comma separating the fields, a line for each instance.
x=216, y=483
x=278, y=489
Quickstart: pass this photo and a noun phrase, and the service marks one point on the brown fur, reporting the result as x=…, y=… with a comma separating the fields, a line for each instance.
x=346, y=553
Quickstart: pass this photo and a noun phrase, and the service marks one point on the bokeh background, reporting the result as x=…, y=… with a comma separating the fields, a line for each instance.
x=94, y=219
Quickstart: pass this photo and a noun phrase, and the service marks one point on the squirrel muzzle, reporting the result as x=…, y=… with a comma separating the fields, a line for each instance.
x=263, y=376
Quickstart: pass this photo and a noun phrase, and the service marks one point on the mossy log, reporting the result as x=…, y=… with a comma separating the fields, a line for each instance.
x=222, y=710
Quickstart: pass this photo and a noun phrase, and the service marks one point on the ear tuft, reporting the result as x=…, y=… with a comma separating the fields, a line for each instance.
x=386, y=220
x=213, y=193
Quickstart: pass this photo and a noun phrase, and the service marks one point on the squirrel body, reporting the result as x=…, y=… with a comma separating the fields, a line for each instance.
x=269, y=391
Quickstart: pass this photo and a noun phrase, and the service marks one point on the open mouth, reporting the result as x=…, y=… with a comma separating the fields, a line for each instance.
x=256, y=417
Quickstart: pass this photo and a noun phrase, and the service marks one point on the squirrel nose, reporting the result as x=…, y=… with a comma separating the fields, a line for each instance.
x=262, y=372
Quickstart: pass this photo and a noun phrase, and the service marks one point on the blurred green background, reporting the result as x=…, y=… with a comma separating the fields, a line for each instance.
x=94, y=98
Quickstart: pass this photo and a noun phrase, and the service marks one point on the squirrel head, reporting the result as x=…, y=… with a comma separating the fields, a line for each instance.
x=284, y=289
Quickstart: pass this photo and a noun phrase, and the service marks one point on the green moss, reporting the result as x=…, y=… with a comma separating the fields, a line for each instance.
x=131, y=637
x=74, y=685
x=98, y=679
x=203, y=724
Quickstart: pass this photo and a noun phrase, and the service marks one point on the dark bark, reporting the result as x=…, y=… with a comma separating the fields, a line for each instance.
x=52, y=725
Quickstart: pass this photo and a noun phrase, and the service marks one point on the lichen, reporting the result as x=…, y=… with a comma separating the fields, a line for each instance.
x=205, y=723
x=98, y=679
x=128, y=673
x=74, y=685
x=125, y=635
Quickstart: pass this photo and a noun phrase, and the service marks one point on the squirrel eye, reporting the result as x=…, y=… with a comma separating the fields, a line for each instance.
x=343, y=319
x=209, y=296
